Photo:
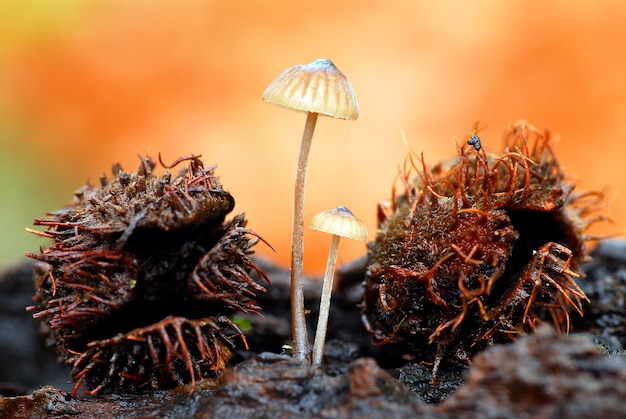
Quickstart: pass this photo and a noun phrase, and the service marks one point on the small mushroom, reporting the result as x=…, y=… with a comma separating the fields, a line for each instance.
x=317, y=88
x=340, y=222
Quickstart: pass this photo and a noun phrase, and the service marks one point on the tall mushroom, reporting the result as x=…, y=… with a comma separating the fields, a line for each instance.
x=340, y=222
x=317, y=88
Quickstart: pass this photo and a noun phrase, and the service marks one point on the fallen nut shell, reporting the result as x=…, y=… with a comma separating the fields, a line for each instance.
x=142, y=278
x=478, y=250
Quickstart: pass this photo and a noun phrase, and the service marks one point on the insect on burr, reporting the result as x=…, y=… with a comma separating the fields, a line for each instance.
x=477, y=251
x=474, y=140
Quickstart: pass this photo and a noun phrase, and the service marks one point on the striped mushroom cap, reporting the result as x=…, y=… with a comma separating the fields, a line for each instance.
x=317, y=87
x=340, y=221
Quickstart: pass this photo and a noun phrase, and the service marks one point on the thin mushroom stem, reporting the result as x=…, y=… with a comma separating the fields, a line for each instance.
x=322, y=321
x=298, y=318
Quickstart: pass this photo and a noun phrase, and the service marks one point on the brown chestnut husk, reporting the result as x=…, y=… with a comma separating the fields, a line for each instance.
x=143, y=276
x=478, y=250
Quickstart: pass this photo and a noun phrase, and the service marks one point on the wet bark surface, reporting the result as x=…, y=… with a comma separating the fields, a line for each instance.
x=543, y=374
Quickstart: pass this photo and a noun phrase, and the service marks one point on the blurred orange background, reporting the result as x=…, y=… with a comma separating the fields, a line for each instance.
x=87, y=84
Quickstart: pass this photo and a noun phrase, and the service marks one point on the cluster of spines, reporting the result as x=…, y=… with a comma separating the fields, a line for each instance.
x=171, y=352
x=526, y=177
x=96, y=266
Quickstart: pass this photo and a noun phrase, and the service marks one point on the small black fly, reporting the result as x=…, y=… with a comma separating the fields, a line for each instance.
x=474, y=141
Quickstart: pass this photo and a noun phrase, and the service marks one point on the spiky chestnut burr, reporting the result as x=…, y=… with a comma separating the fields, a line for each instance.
x=142, y=276
x=477, y=250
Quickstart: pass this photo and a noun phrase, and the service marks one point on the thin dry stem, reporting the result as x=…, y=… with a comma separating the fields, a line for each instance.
x=322, y=321
x=298, y=319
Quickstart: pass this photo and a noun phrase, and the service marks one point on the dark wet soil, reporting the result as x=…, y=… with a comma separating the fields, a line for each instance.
x=541, y=375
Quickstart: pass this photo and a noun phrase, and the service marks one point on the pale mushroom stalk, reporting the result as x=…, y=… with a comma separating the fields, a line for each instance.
x=317, y=88
x=298, y=315
x=322, y=320
x=340, y=222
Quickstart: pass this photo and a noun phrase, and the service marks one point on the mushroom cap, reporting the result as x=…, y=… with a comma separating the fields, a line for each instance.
x=340, y=221
x=317, y=87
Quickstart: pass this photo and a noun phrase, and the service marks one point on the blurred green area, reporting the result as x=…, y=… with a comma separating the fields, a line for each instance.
x=31, y=183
